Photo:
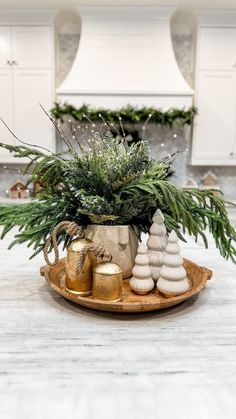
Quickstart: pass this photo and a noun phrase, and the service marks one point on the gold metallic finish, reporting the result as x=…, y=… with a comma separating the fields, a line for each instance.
x=108, y=268
x=79, y=283
x=107, y=282
x=82, y=293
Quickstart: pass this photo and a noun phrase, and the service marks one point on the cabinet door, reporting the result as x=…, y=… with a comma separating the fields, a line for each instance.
x=32, y=87
x=214, y=128
x=217, y=48
x=32, y=47
x=5, y=47
x=6, y=113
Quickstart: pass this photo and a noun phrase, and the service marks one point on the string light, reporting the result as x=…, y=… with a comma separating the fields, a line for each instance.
x=10, y=168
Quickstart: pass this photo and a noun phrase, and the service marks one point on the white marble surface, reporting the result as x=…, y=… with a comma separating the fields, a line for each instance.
x=60, y=361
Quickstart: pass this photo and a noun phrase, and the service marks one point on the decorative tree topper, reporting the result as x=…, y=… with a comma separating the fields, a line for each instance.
x=141, y=281
x=156, y=244
x=173, y=277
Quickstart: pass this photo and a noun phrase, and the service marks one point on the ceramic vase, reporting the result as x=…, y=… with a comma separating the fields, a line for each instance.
x=120, y=241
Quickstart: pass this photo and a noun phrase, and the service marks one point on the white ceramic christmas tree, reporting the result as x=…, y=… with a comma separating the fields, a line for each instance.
x=141, y=281
x=156, y=244
x=173, y=277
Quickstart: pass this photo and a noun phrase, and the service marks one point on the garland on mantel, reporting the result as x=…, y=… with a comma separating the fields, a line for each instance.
x=129, y=114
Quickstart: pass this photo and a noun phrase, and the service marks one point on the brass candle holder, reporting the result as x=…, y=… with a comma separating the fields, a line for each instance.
x=107, y=282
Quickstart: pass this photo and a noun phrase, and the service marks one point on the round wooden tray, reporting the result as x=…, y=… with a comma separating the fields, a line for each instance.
x=130, y=303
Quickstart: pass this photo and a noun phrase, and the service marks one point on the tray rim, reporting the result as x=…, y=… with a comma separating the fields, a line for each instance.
x=122, y=306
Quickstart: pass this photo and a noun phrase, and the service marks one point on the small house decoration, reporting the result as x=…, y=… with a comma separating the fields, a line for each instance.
x=156, y=244
x=18, y=190
x=190, y=184
x=210, y=181
x=173, y=277
x=141, y=281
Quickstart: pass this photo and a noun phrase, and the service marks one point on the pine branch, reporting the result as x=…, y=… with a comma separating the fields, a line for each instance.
x=110, y=184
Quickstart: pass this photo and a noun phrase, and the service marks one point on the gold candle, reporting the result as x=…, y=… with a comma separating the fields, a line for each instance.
x=107, y=282
x=79, y=283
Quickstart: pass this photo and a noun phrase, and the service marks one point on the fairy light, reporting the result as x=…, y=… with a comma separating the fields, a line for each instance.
x=103, y=120
x=121, y=126
x=88, y=119
x=123, y=141
x=10, y=168
x=175, y=135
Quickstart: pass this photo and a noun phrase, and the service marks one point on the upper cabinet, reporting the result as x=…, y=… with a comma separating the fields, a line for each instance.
x=214, y=133
x=32, y=47
x=5, y=47
x=26, y=79
x=217, y=48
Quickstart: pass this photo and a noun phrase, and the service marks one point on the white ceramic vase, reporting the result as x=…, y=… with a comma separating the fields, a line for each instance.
x=120, y=241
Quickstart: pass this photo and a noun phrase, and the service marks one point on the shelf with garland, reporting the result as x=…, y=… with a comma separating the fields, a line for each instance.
x=129, y=114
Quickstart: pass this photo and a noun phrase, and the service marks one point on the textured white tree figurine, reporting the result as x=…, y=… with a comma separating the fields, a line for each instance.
x=141, y=281
x=156, y=244
x=173, y=277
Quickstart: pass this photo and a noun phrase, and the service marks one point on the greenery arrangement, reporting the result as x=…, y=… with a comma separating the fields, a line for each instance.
x=106, y=182
x=128, y=114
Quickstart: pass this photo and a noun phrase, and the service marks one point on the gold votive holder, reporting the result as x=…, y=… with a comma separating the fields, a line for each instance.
x=107, y=282
x=79, y=283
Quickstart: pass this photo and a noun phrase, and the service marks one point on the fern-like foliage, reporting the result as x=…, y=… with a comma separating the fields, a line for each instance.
x=110, y=183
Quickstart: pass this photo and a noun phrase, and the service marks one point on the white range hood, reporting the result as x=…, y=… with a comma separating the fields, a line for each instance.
x=125, y=56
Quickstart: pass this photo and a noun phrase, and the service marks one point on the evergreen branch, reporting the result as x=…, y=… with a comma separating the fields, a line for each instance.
x=110, y=184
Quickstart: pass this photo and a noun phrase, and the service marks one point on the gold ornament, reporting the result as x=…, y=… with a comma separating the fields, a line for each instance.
x=78, y=277
x=107, y=282
x=82, y=257
x=79, y=281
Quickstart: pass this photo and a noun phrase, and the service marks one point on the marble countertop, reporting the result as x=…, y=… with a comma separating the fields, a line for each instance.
x=60, y=361
x=5, y=200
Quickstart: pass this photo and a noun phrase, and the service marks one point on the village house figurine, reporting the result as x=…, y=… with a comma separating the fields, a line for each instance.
x=18, y=190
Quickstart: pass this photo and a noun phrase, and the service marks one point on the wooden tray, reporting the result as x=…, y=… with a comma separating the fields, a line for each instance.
x=130, y=303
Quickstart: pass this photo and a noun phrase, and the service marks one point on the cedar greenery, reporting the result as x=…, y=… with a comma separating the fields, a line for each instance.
x=107, y=182
x=128, y=114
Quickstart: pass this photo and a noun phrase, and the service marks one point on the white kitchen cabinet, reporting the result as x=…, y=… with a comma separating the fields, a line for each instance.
x=5, y=47
x=214, y=132
x=32, y=47
x=6, y=112
x=26, y=80
x=217, y=48
x=33, y=87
